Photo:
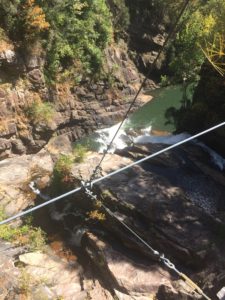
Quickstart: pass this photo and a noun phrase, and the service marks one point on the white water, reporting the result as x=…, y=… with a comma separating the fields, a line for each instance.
x=125, y=139
x=106, y=135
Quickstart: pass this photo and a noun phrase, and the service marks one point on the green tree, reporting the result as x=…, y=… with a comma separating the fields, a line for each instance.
x=79, y=33
x=202, y=22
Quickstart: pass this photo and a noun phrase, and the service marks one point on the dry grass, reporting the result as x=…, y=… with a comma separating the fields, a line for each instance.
x=5, y=43
x=4, y=124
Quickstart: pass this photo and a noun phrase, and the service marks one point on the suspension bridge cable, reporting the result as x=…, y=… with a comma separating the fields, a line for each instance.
x=97, y=168
x=160, y=257
x=23, y=213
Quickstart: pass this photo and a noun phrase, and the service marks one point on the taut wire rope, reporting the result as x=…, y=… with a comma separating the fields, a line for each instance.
x=23, y=213
x=98, y=167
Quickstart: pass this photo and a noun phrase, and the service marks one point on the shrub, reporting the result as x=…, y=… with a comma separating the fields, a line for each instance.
x=164, y=81
x=79, y=153
x=96, y=215
x=79, y=33
x=62, y=170
x=40, y=111
x=33, y=237
x=121, y=16
x=24, y=282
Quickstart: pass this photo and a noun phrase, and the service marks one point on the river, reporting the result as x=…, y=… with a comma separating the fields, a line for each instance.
x=149, y=125
x=151, y=116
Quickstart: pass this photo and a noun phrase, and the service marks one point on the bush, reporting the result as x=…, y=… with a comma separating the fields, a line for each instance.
x=33, y=237
x=62, y=170
x=79, y=33
x=40, y=111
x=79, y=153
x=164, y=81
x=121, y=16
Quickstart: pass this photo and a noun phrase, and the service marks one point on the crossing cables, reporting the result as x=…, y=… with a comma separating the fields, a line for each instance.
x=30, y=210
x=172, y=31
x=160, y=257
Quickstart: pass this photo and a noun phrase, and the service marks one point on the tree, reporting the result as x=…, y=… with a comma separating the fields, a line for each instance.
x=202, y=36
x=80, y=30
x=35, y=19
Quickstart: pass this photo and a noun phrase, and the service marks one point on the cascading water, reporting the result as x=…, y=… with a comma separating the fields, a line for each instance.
x=139, y=129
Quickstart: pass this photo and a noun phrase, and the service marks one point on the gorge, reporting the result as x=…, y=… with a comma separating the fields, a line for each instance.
x=53, y=101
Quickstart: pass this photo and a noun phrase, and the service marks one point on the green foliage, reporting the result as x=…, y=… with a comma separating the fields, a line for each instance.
x=79, y=153
x=164, y=80
x=80, y=30
x=63, y=165
x=40, y=111
x=9, y=15
x=74, y=33
x=33, y=237
x=62, y=172
x=24, y=282
x=200, y=24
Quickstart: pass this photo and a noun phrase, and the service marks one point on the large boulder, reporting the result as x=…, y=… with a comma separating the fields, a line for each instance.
x=15, y=176
x=172, y=201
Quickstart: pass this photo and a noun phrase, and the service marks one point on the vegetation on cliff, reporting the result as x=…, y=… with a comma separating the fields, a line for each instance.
x=73, y=33
x=202, y=37
x=66, y=41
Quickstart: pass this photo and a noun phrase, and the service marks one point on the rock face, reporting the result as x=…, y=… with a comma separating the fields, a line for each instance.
x=129, y=279
x=171, y=216
x=150, y=198
x=15, y=176
x=78, y=110
x=43, y=275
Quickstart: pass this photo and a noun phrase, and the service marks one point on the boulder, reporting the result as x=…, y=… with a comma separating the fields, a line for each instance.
x=171, y=216
x=15, y=176
x=8, y=55
x=139, y=280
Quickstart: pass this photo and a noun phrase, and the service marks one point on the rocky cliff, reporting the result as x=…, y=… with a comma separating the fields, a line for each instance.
x=77, y=110
x=178, y=211
x=31, y=110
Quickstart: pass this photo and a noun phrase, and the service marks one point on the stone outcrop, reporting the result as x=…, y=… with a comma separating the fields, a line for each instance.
x=78, y=110
x=15, y=176
x=171, y=216
x=150, y=198
x=43, y=275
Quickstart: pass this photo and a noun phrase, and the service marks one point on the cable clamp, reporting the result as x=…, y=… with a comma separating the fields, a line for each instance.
x=167, y=262
x=87, y=191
